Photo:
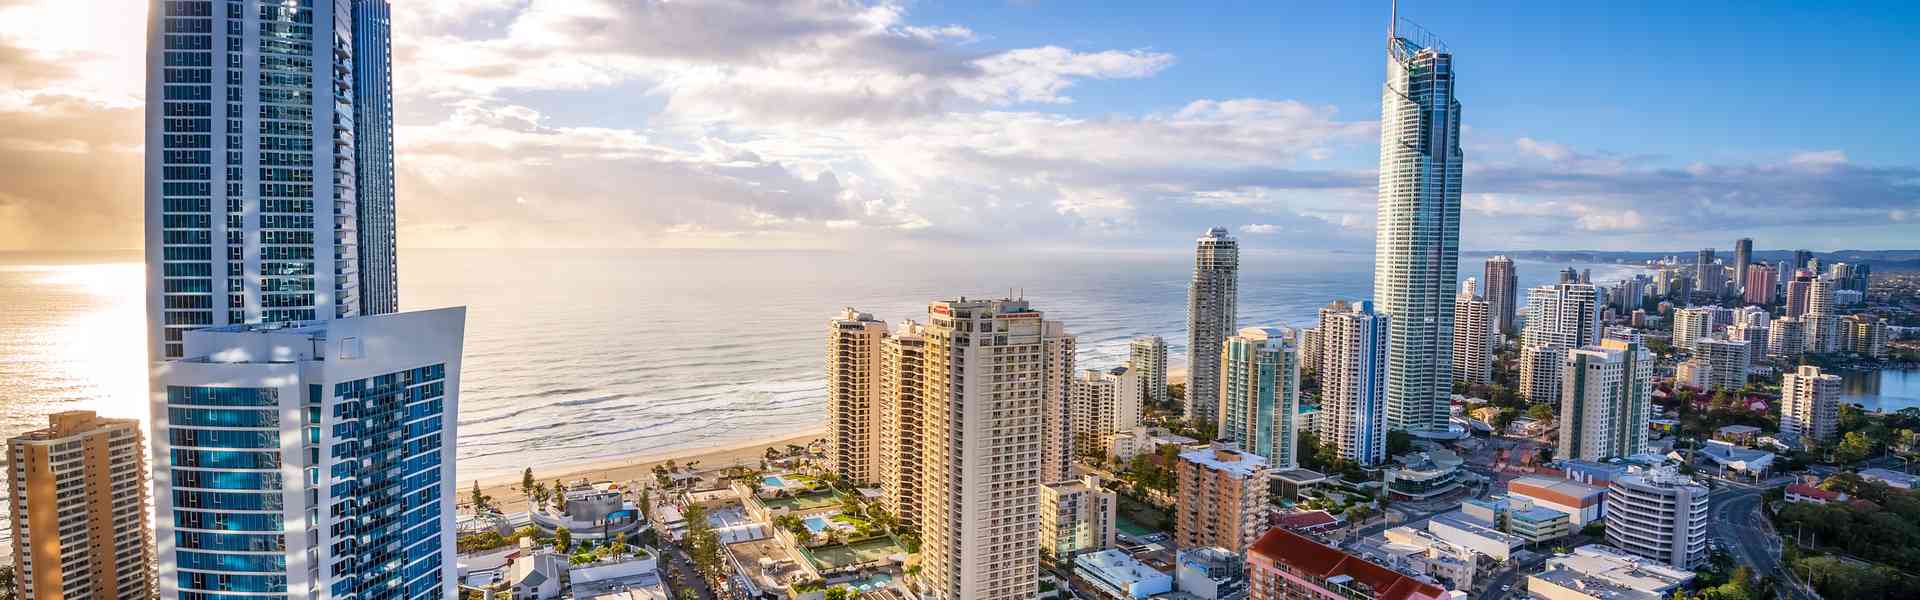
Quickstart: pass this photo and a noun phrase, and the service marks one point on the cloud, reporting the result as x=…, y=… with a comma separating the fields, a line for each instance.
x=1259, y=229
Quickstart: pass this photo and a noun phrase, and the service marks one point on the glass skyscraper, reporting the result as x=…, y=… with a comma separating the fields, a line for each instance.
x=1417, y=246
x=1213, y=299
x=264, y=118
x=309, y=461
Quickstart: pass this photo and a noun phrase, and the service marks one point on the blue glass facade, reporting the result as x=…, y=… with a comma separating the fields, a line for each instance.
x=373, y=116
x=224, y=465
x=386, y=470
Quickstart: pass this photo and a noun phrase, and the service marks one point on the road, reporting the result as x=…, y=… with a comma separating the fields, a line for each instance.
x=1510, y=576
x=1738, y=524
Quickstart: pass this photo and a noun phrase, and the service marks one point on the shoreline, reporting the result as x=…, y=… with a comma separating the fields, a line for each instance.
x=510, y=499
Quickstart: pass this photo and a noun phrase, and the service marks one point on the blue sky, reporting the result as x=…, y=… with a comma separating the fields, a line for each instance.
x=1046, y=125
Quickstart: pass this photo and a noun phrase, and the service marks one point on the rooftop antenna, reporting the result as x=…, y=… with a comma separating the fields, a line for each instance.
x=1393, y=20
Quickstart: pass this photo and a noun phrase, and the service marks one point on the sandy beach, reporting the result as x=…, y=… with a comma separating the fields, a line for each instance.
x=505, y=490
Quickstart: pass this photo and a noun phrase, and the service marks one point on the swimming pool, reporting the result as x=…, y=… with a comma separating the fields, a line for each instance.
x=773, y=481
x=817, y=524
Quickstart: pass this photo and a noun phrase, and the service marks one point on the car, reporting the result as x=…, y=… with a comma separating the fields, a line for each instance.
x=1506, y=588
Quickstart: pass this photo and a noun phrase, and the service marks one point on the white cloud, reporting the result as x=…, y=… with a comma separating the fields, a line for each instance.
x=1260, y=229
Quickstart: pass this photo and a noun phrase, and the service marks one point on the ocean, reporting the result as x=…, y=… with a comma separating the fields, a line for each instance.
x=577, y=356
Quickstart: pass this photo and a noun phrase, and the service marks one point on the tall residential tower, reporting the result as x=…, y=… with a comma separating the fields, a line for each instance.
x=1503, y=290
x=1260, y=393
x=1212, y=307
x=268, y=136
x=1417, y=245
x=1353, y=381
x=854, y=395
x=79, y=518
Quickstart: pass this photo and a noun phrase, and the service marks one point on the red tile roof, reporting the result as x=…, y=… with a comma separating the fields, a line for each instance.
x=1312, y=558
x=1305, y=521
x=1801, y=489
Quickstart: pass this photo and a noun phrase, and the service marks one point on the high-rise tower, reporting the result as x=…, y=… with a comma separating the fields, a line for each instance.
x=1212, y=304
x=1503, y=290
x=264, y=120
x=903, y=384
x=79, y=513
x=1353, y=377
x=854, y=395
x=1417, y=245
x=1147, y=358
x=1742, y=256
x=982, y=435
x=1260, y=399
x=1473, y=337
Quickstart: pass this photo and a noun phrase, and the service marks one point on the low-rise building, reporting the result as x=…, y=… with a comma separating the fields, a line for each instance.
x=1309, y=521
x=1423, y=554
x=1122, y=446
x=1076, y=516
x=1581, y=502
x=1739, y=434
x=1801, y=492
x=1538, y=524
x=1458, y=529
x=1284, y=565
x=1210, y=574
x=1120, y=576
x=536, y=574
x=1596, y=572
x=1734, y=458
x=634, y=577
x=1419, y=477
x=1893, y=479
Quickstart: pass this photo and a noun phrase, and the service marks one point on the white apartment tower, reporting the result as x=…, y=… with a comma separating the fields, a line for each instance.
x=1728, y=361
x=1606, y=401
x=1076, y=516
x=1260, y=393
x=313, y=460
x=1212, y=309
x=1658, y=514
x=1560, y=317
x=269, y=164
x=1417, y=244
x=1810, y=404
x=1691, y=324
x=1147, y=358
x=1786, y=337
x=854, y=395
x=1473, y=338
x=1105, y=401
x=902, y=399
x=986, y=375
x=1353, y=383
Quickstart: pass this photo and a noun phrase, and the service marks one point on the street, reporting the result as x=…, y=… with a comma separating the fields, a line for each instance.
x=1738, y=524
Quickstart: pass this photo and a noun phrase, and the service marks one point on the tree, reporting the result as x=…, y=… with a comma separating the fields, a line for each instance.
x=646, y=504
x=562, y=540
x=527, y=483
x=703, y=545
x=1399, y=442
x=1541, y=412
x=838, y=592
x=481, y=501
x=1854, y=447
x=559, y=496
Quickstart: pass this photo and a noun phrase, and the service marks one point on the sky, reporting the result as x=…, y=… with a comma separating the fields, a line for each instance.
x=1044, y=125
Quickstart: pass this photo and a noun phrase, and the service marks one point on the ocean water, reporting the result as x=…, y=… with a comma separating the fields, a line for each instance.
x=575, y=357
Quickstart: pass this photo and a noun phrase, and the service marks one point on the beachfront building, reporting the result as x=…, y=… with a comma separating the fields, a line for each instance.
x=79, y=514
x=1417, y=241
x=1810, y=404
x=1147, y=358
x=1213, y=299
x=903, y=388
x=1474, y=337
x=1353, y=381
x=853, y=394
x=982, y=426
x=1606, y=399
x=1260, y=393
x=269, y=193
x=278, y=439
x=1105, y=401
x=1658, y=514
x=1560, y=317
x=1057, y=349
x=1076, y=516
x=1284, y=565
x=1223, y=498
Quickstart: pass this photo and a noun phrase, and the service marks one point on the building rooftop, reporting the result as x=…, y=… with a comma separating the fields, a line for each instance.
x=1739, y=429
x=1317, y=560
x=1893, y=478
x=1537, y=515
x=1604, y=572
x=1557, y=491
x=1116, y=567
x=1219, y=458
x=1305, y=521
x=1473, y=527
x=1801, y=489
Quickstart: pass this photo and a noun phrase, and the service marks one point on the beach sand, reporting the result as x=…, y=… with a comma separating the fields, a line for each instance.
x=505, y=490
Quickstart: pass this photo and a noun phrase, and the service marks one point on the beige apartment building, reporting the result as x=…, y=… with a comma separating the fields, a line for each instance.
x=79, y=518
x=987, y=381
x=853, y=394
x=903, y=357
x=1222, y=500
